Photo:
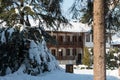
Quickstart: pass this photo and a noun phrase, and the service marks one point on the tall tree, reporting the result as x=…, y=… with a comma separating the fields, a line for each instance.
x=23, y=46
x=95, y=12
x=99, y=40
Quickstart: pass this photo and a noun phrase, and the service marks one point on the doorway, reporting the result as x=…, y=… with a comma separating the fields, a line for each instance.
x=79, y=58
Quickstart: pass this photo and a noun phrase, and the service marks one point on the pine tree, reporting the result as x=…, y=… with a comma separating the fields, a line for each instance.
x=99, y=40
x=23, y=47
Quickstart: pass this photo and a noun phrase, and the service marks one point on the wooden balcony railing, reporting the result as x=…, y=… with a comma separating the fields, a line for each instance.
x=65, y=57
x=66, y=44
x=71, y=43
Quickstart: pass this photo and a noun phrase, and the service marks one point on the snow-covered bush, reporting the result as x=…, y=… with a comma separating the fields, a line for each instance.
x=26, y=46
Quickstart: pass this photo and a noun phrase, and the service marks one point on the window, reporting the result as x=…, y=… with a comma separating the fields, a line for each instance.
x=74, y=38
x=60, y=52
x=68, y=38
x=67, y=52
x=61, y=38
x=87, y=37
x=80, y=38
x=74, y=52
x=53, y=52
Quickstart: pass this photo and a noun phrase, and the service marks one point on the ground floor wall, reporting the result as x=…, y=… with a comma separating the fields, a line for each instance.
x=67, y=55
x=67, y=61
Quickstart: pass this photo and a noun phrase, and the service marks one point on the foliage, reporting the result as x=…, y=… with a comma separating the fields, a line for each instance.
x=86, y=60
x=19, y=47
x=23, y=45
x=112, y=58
x=112, y=8
x=21, y=11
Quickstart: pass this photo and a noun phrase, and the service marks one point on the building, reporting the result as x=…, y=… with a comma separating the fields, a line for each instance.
x=88, y=39
x=70, y=43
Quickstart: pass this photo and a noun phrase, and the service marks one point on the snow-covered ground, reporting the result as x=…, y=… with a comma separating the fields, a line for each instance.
x=61, y=75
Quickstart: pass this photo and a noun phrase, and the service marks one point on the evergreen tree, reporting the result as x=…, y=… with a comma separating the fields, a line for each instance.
x=86, y=60
x=85, y=13
x=112, y=58
x=19, y=11
x=20, y=47
x=99, y=39
x=23, y=46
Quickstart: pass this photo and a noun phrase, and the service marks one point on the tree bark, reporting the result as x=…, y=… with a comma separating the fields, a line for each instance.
x=118, y=70
x=99, y=40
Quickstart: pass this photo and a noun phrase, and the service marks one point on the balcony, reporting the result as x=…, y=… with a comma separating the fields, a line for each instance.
x=78, y=44
x=67, y=44
x=65, y=57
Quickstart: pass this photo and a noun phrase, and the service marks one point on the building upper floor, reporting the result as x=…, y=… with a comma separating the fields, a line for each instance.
x=76, y=34
x=67, y=39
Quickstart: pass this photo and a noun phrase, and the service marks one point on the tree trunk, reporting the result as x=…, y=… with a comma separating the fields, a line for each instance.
x=119, y=70
x=99, y=40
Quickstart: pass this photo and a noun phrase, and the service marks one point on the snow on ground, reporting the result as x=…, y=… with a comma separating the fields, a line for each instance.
x=87, y=74
x=61, y=75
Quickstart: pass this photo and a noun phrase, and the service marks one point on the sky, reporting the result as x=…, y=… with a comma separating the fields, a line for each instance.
x=65, y=6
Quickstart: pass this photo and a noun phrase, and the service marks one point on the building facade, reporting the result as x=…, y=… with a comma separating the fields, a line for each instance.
x=70, y=42
x=69, y=47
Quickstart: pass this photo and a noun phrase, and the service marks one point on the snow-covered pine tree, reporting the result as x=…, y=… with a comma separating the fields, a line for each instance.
x=25, y=47
x=22, y=45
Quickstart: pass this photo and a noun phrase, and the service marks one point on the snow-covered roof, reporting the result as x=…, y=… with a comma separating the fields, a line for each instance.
x=74, y=27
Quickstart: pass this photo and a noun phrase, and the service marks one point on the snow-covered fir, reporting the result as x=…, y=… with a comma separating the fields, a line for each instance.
x=25, y=46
